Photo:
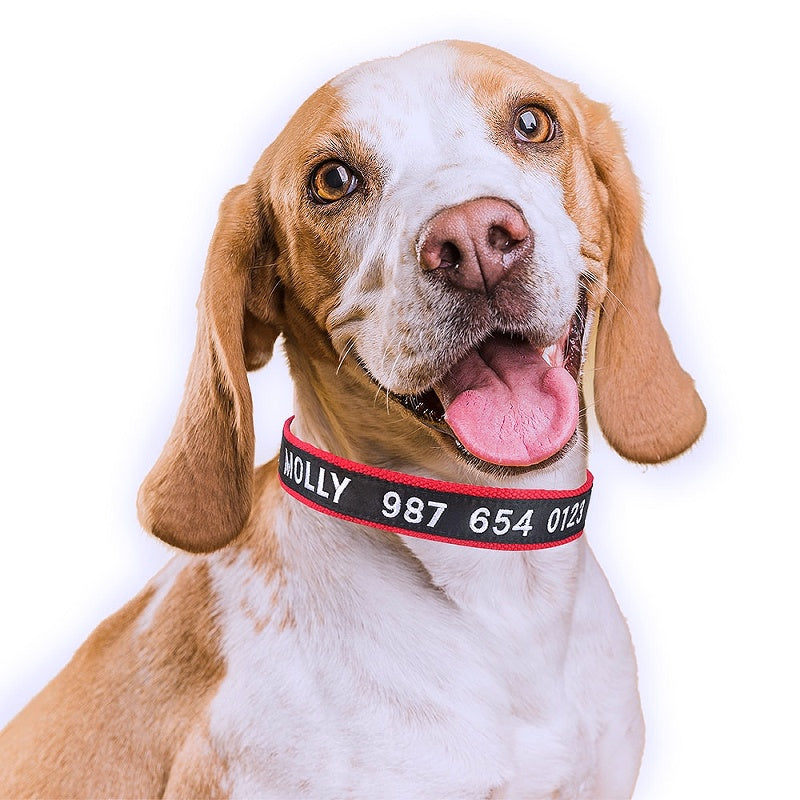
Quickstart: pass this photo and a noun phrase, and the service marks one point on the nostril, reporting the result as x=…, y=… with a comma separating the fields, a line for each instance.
x=478, y=243
x=500, y=239
x=450, y=256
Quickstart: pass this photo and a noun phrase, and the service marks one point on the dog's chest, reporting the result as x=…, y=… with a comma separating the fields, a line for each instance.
x=381, y=687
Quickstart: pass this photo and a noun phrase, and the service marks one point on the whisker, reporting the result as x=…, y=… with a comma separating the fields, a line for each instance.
x=617, y=300
x=391, y=378
x=385, y=389
x=274, y=289
x=350, y=345
x=590, y=278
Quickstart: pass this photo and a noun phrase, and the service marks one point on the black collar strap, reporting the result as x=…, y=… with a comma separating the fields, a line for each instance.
x=477, y=516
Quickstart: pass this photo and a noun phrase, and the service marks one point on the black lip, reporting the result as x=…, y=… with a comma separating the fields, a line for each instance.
x=427, y=407
x=573, y=351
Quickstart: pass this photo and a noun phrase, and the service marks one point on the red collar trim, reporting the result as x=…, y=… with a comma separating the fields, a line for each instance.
x=498, y=518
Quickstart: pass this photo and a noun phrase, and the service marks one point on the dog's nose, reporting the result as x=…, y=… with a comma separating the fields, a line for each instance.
x=475, y=244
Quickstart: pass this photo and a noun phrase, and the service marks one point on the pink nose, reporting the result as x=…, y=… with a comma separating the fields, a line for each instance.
x=475, y=244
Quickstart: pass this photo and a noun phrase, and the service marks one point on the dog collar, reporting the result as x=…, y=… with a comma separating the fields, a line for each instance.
x=456, y=513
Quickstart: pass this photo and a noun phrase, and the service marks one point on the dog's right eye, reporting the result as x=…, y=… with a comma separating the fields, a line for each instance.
x=331, y=181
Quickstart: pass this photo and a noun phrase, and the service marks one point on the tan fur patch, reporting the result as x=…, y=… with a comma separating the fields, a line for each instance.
x=112, y=722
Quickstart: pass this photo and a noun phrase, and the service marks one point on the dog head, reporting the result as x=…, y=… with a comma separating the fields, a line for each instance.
x=442, y=229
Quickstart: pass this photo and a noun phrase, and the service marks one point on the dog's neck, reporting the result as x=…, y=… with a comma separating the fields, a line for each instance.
x=361, y=425
x=473, y=578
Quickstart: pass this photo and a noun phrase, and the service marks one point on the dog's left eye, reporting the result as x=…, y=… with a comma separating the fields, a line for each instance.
x=534, y=124
x=331, y=181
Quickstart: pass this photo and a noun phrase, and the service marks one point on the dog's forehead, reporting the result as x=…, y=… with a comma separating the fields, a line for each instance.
x=430, y=96
x=445, y=105
x=393, y=98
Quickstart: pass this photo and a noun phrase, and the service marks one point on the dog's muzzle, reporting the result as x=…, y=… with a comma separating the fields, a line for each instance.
x=509, y=401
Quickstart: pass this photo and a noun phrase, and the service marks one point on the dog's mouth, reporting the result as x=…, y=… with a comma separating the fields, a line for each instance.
x=509, y=402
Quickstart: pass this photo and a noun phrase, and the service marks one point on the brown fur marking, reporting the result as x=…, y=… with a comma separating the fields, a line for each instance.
x=111, y=723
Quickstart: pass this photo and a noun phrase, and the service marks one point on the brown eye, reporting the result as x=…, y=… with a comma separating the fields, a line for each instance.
x=332, y=181
x=534, y=124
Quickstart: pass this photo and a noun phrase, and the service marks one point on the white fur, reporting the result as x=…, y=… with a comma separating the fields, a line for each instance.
x=395, y=683
x=369, y=665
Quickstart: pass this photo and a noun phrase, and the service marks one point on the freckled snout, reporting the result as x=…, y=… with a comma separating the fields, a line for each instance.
x=476, y=244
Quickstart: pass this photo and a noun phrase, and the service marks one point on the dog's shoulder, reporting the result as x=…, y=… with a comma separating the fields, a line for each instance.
x=118, y=714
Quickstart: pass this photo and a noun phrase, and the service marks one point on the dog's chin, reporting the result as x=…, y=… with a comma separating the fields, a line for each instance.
x=508, y=407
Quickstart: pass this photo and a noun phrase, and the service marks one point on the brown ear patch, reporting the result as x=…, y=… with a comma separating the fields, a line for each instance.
x=198, y=494
x=647, y=406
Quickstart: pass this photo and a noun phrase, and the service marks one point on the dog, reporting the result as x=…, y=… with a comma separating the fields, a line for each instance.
x=449, y=243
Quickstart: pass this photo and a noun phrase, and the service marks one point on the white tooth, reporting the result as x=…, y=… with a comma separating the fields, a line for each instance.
x=547, y=355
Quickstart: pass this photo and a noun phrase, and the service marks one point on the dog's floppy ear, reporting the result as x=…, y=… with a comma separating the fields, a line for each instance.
x=198, y=494
x=646, y=404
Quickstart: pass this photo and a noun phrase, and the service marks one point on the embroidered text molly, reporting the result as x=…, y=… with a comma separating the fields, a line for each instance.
x=313, y=478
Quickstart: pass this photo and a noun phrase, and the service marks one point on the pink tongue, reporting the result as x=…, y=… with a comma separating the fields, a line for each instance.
x=508, y=406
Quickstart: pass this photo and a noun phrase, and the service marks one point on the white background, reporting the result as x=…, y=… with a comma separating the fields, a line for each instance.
x=121, y=128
